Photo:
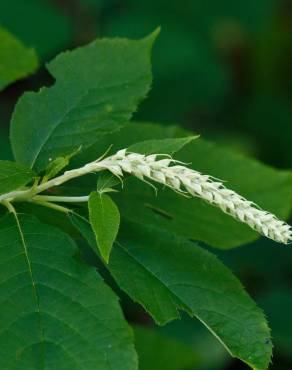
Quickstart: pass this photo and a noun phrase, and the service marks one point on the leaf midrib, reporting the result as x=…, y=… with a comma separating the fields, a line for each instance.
x=33, y=285
x=73, y=106
x=54, y=127
x=178, y=298
x=154, y=276
x=214, y=333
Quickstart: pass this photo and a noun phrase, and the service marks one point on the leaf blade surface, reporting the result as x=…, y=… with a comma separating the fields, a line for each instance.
x=97, y=89
x=104, y=217
x=13, y=176
x=58, y=313
x=191, y=279
x=16, y=60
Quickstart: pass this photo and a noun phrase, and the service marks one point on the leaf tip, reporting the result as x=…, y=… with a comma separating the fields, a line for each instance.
x=105, y=258
x=194, y=137
x=153, y=35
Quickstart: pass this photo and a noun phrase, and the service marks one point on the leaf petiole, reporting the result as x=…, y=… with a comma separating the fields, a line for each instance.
x=51, y=205
x=52, y=198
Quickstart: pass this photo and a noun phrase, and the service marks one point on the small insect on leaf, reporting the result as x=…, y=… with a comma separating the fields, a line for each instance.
x=104, y=217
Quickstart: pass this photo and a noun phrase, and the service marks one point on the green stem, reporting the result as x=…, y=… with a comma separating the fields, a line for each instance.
x=9, y=206
x=52, y=198
x=54, y=206
x=27, y=195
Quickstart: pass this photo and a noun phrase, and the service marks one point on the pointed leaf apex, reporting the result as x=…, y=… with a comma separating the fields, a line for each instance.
x=153, y=35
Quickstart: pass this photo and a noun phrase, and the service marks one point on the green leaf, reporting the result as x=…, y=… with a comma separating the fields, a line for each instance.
x=138, y=287
x=13, y=176
x=157, y=351
x=165, y=273
x=56, y=312
x=16, y=61
x=161, y=146
x=97, y=89
x=104, y=217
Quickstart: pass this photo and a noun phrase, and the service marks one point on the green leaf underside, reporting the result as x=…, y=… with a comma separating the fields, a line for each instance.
x=157, y=351
x=56, y=312
x=16, y=61
x=104, y=217
x=165, y=274
x=13, y=176
x=97, y=89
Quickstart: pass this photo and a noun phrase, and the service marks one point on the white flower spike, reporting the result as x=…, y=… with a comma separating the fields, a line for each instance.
x=169, y=172
x=182, y=179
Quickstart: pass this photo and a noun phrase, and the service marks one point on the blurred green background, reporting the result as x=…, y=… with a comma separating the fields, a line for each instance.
x=221, y=68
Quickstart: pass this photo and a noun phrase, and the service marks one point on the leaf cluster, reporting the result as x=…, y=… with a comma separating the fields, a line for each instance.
x=57, y=312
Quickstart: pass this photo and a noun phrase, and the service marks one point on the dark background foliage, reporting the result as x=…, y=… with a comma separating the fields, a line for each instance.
x=222, y=69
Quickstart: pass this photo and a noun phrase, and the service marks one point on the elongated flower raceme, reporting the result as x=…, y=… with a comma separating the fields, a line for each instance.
x=175, y=175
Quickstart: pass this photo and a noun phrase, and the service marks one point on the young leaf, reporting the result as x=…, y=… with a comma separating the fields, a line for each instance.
x=56, y=312
x=16, y=61
x=165, y=273
x=105, y=220
x=97, y=89
x=13, y=176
